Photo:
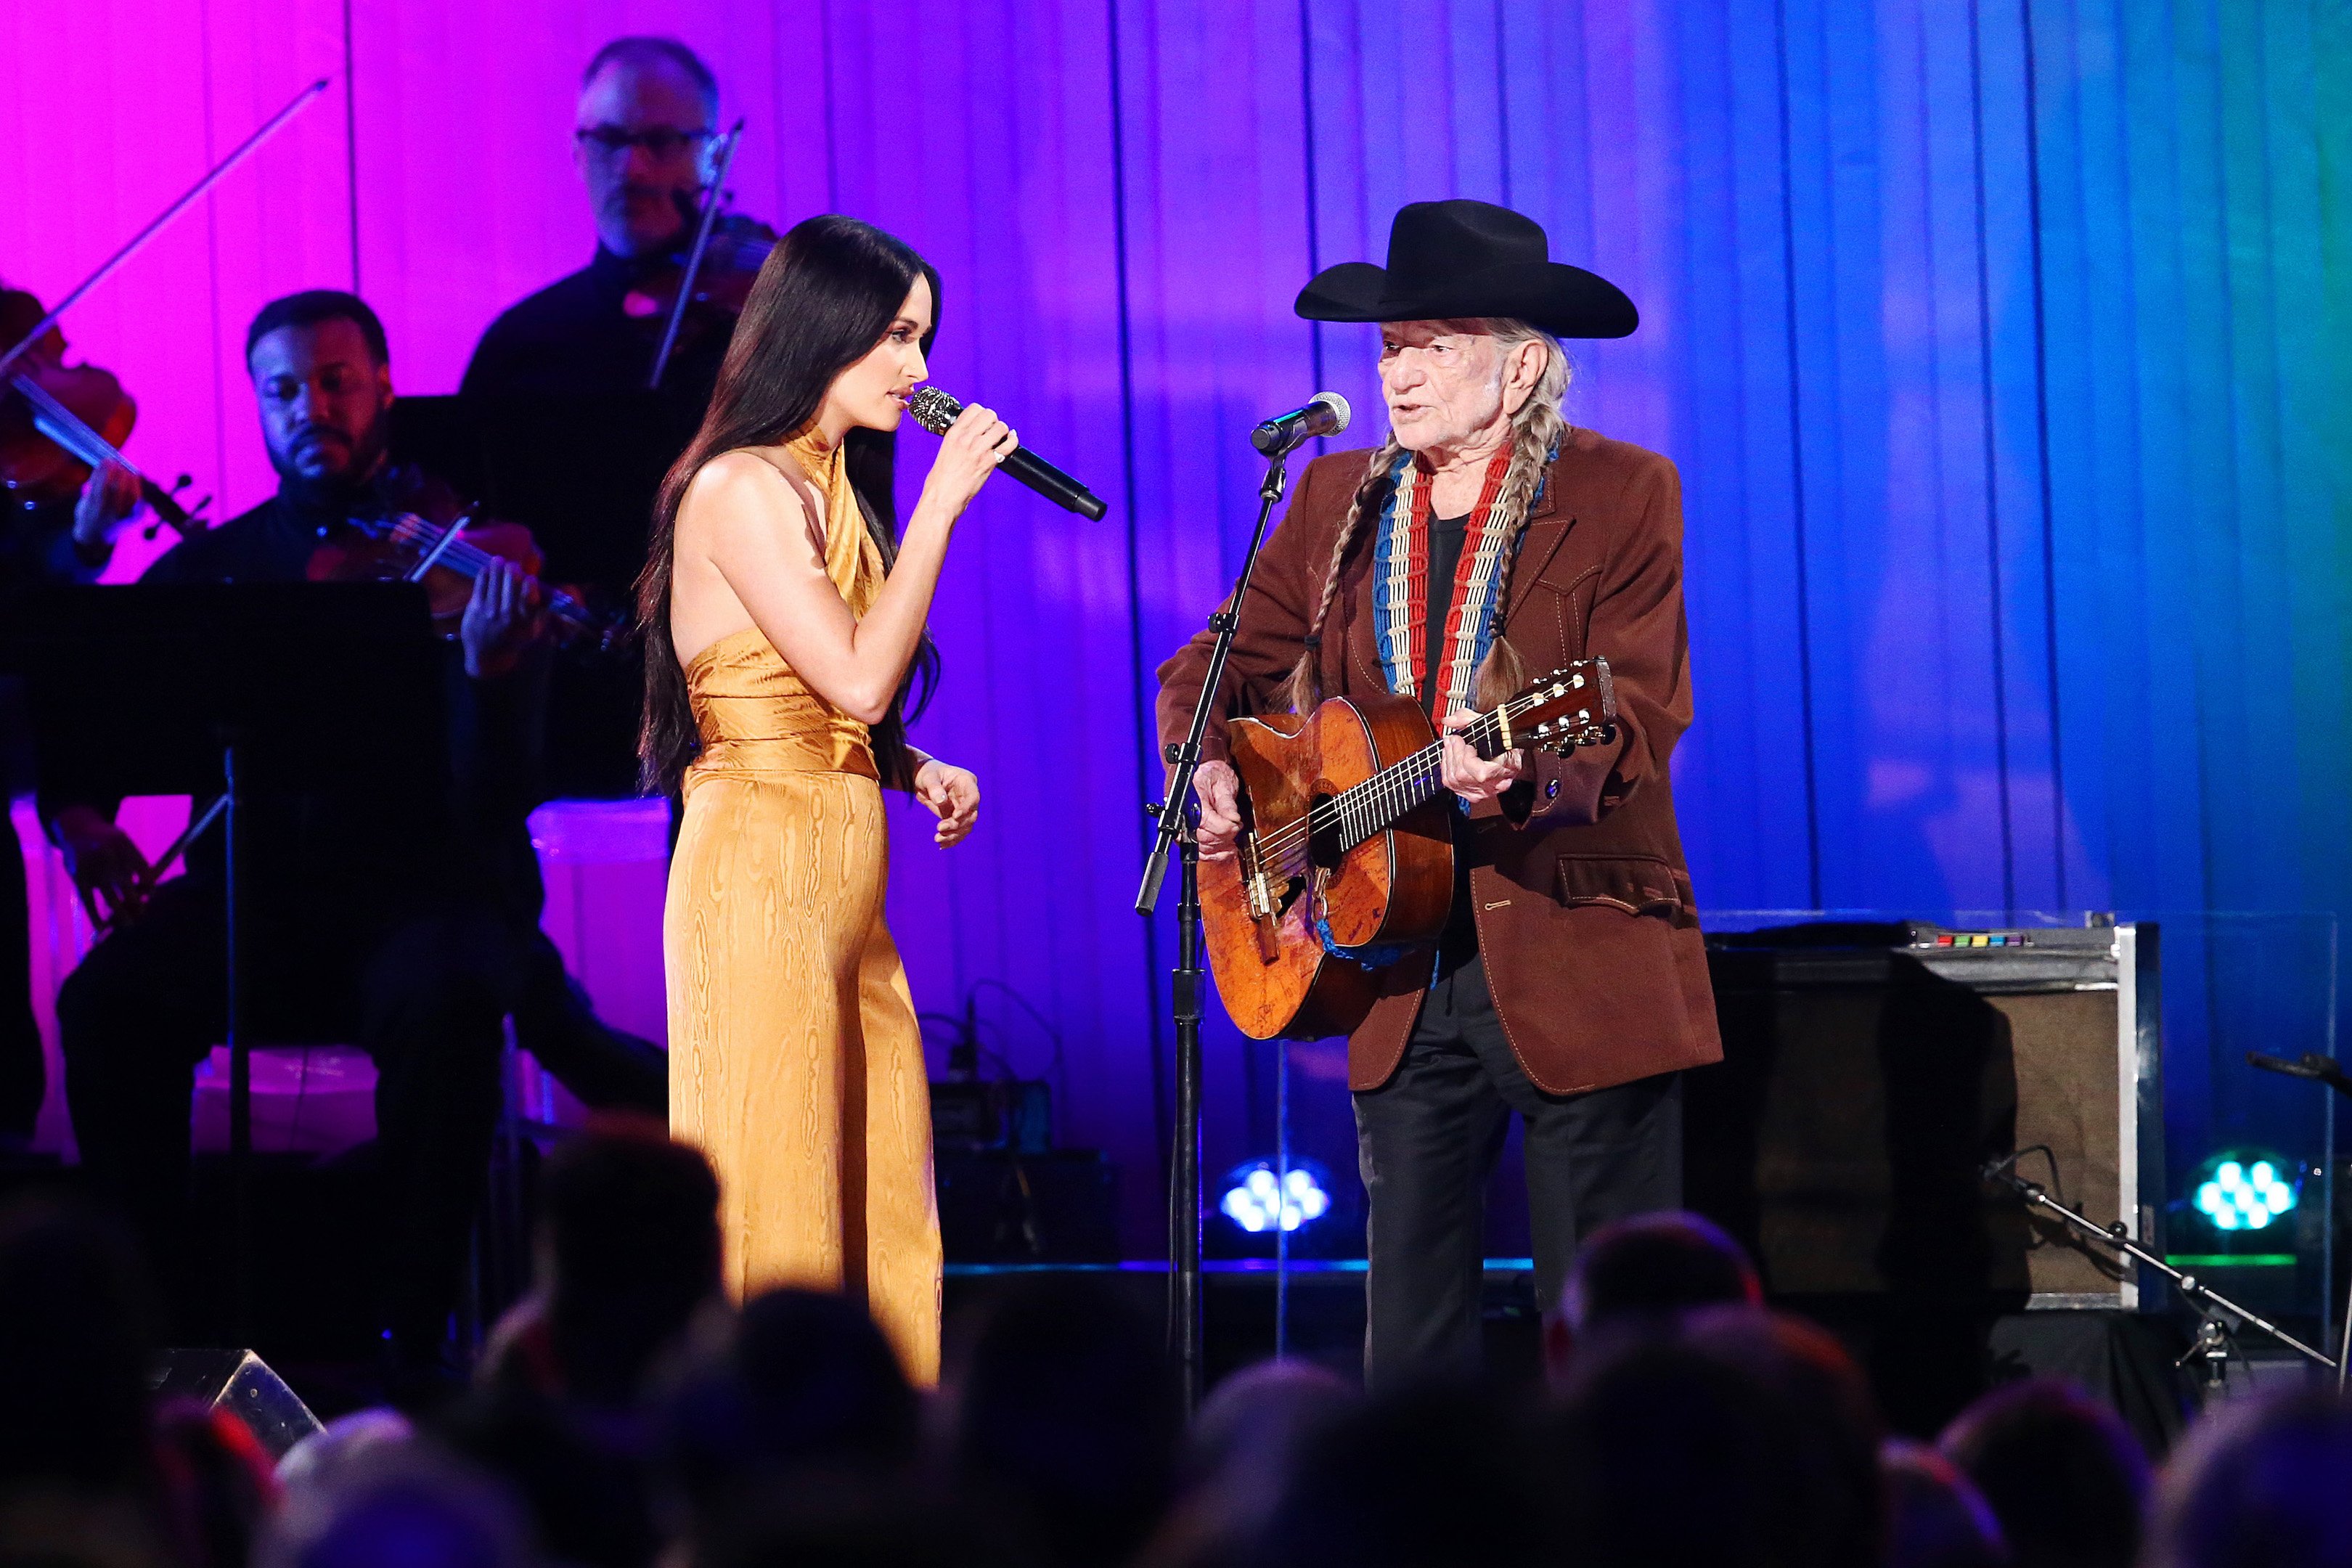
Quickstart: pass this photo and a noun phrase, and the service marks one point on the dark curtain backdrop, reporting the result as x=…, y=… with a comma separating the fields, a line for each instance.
x=2003, y=345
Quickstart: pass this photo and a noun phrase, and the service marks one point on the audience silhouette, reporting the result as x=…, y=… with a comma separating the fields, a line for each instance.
x=626, y=1415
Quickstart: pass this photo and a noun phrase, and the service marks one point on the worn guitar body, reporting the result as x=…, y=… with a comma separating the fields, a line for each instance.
x=1274, y=974
x=1344, y=823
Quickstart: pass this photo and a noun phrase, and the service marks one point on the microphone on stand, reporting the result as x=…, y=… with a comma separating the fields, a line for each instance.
x=934, y=410
x=1326, y=414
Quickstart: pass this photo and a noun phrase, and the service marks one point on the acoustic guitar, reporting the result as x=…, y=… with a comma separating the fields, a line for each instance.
x=1344, y=836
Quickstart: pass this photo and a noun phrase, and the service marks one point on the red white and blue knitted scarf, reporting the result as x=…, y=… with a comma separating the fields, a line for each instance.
x=1401, y=582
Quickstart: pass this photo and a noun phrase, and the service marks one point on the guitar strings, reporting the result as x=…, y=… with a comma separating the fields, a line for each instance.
x=1413, y=770
x=1281, y=849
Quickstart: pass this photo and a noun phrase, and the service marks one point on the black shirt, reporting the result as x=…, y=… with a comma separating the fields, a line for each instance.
x=274, y=542
x=1445, y=537
x=594, y=333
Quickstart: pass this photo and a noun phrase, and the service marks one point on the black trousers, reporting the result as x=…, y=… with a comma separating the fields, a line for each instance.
x=425, y=994
x=1426, y=1143
x=605, y=1068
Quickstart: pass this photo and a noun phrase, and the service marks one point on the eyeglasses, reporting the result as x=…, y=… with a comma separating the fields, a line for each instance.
x=660, y=142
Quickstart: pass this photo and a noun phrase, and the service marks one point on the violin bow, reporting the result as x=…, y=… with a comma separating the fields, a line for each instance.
x=245, y=149
x=694, y=259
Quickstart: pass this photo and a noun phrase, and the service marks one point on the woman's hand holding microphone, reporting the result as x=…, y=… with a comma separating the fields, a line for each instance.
x=974, y=447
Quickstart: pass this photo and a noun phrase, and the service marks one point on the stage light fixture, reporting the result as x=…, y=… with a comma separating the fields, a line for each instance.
x=1257, y=1198
x=2245, y=1190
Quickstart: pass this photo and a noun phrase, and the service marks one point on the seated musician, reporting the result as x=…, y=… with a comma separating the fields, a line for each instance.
x=647, y=112
x=44, y=539
x=406, y=926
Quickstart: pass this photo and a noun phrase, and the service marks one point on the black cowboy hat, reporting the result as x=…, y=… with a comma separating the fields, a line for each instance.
x=1457, y=258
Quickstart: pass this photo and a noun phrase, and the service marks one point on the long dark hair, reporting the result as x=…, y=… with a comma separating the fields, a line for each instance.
x=823, y=298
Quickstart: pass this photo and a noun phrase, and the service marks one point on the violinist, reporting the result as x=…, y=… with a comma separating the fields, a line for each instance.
x=642, y=137
x=407, y=926
x=58, y=525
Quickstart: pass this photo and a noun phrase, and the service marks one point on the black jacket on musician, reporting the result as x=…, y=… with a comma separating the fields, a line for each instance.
x=592, y=333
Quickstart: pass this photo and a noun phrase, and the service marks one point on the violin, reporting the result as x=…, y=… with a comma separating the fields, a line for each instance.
x=59, y=423
x=446, y=558
x=731, y=256
x=704, y=288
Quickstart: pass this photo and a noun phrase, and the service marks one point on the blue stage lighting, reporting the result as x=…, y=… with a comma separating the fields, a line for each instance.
x=2244, y=1191
x=1257, y=1199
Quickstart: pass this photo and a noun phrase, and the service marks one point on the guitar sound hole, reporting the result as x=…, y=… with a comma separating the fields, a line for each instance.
x=1323, y=847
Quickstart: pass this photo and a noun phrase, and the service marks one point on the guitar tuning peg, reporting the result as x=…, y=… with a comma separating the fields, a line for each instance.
x=1576, y=681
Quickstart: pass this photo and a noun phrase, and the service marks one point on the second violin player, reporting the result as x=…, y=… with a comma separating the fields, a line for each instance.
x=642, y=136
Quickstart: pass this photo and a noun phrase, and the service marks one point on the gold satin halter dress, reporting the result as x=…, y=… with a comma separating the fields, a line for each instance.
x=795, y=1060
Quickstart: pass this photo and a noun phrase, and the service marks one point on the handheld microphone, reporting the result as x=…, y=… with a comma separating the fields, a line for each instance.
x=934, y=410
x=1327, y=415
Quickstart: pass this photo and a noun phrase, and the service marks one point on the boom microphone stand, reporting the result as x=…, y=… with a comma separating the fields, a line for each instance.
x=2199, y=1294
x=1178, y=818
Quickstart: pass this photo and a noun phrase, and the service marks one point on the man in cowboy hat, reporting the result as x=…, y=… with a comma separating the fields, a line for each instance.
x=1482, y=542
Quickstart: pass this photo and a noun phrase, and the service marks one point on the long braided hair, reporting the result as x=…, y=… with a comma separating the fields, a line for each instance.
x=1536, y=430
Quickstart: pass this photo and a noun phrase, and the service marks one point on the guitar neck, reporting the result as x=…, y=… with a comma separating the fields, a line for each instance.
x=1378, y=801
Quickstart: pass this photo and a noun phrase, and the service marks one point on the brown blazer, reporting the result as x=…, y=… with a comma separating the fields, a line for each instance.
x=1585, y=916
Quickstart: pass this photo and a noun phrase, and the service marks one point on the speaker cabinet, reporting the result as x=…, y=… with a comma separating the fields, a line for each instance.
x=1870, y=1073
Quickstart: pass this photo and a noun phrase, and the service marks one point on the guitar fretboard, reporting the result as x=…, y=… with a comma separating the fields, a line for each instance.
x=1376, y=803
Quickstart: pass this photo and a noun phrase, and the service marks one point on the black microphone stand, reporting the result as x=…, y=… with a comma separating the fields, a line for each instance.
x=1178, y=818
x=2212, y=1305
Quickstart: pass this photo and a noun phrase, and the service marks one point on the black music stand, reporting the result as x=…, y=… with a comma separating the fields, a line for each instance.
x=218, y=688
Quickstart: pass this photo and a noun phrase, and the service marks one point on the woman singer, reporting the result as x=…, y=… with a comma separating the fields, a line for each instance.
x=784, y=623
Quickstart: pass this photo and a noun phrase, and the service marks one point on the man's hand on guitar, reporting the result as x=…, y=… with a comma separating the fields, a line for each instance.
x=1219, y=789
x=1470, y=776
